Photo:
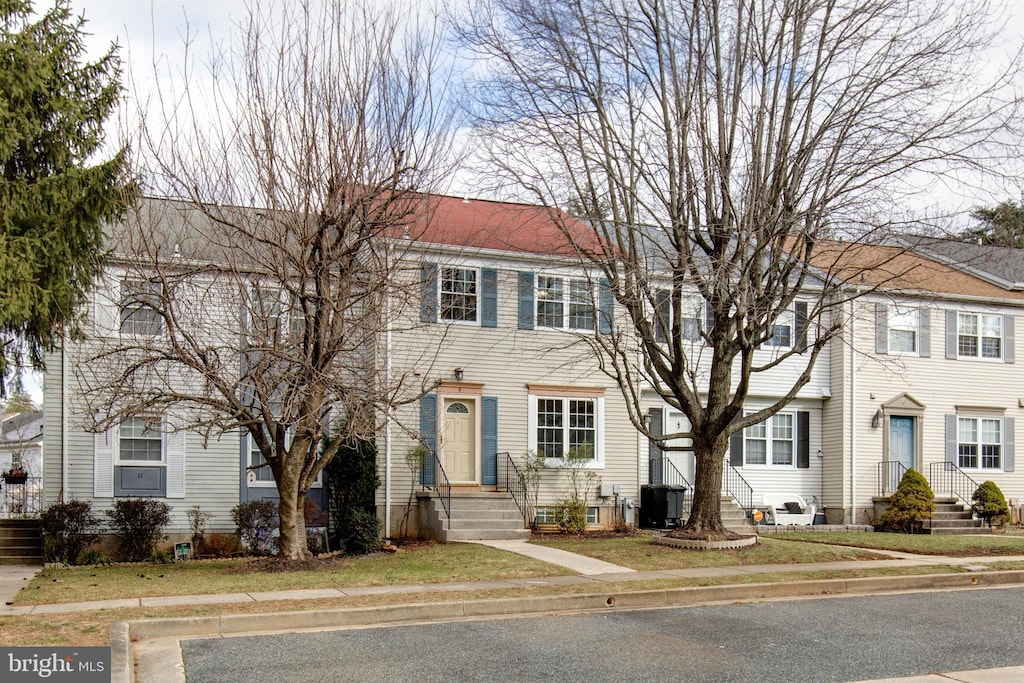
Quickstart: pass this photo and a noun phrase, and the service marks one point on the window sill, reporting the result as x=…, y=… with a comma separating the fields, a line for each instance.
x=559, y=463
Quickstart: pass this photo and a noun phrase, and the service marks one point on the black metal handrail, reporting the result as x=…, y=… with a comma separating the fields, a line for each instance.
x=21, y=498
x=890, y=473
x=514, y=483
x=948, y=479
x=736, y=486
x=434, y=477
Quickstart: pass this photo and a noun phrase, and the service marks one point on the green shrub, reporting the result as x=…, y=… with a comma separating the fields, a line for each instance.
x=68, y=529
x=362, y=535
x=138, y=526
x=352, y=480
x=94, y=557
x=910, y=506
x=571, y=514
x=160, y=557
x=989, y=503
x=255, y=521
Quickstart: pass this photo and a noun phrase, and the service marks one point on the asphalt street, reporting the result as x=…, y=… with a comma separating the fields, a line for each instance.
x=841, y=639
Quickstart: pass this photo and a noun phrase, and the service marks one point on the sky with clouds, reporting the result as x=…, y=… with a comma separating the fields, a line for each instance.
x=149, y=31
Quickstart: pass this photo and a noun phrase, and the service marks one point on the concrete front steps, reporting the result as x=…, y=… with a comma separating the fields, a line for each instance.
x=21, y=542
x=953, y=518
x=475, y=516
x=735, y=518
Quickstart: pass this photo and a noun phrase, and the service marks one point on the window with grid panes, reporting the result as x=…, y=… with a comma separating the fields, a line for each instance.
x=459, y=295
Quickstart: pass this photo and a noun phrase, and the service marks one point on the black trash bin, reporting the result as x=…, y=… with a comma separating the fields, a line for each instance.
x=661, y=506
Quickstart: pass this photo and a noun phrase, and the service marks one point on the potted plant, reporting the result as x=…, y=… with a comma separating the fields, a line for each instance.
x=15, y=475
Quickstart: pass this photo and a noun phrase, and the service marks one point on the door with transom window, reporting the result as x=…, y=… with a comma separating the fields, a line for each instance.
x=459, y=445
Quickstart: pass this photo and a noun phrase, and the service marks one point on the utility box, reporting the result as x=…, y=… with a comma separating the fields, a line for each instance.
x=661, y=506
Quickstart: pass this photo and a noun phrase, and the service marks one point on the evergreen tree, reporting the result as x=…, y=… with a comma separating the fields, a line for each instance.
x=1001, y=224
x=52, y=198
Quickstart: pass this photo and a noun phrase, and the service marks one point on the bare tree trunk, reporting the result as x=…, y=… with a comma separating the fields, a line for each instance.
x=293, y=522
x=705, y=519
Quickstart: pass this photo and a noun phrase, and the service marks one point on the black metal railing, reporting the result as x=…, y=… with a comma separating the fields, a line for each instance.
x=946, y=478
x=736, y=486
x=890, y=472
x=510, y=479
x=432, y=476
x=21, y=497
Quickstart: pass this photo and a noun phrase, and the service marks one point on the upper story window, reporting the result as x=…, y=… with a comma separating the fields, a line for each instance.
x=691, y=310
x=140, y=305
x=459, y=294
x=565, y=303
x=140, y=440
x=979, y=335
x=979, y=443
x=782, y=331
x=770, y=442
x=903, y=329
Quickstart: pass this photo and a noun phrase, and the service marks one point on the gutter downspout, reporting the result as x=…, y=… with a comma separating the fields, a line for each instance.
x=387, y=419
x=63, y=422
x=853, y=410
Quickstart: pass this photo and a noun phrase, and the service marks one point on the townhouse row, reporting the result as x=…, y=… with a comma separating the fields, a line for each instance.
x=923, y=374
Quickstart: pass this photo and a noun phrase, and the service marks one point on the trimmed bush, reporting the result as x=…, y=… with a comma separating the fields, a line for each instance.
x=68, y=529
x=352, y=480
x=363, y=533
x=256, y=521
x=138, y=525
x=572, y=516
x=989, y=503
x=910, y=506
x=218, y=545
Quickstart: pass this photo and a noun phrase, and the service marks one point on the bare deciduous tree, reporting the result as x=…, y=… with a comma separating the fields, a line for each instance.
x=329, y=118
x=713, y=146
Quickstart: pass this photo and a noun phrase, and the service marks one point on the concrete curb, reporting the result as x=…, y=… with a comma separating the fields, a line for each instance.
x=123, y=633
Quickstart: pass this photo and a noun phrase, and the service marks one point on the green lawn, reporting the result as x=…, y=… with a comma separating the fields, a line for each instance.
x=954, y=546
x=418, y=564
x=638, y=552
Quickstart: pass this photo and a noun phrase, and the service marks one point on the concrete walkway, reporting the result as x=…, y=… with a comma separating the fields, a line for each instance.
x=12, y=579
x=579, y=564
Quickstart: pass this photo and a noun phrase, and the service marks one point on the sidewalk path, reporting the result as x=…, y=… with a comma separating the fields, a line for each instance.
x=580, y=564
x=587, y=572
x=13, y=578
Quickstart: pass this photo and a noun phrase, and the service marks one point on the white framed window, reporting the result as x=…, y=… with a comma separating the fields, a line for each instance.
x=782, y=331
x=979, y=443
x=459, y=295
x=904, y=322
x=562, y=426
x=565, y=303
x=139, y=309
x=771, y=442
x=140, y=441
x=261, y=477
x=979, y=335
x=549, y=515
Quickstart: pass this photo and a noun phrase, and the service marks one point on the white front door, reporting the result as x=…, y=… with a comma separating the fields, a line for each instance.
x=459, y=459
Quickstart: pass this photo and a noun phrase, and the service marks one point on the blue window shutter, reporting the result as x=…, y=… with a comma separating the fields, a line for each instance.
x=428, y=292
x=951, y=446
x=488, y=297
x=803, y=439
x=662, y=317
x=800, y=308
x=924, y=323
x=489, y=440
x=1008, y=442
x=881, y=328
x=428, y=432
x=606, y=302
x=655, y=464
x=951, y=334
x=736, y=449
x=1009, y=353
x=709, y=317
x=525, y=300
